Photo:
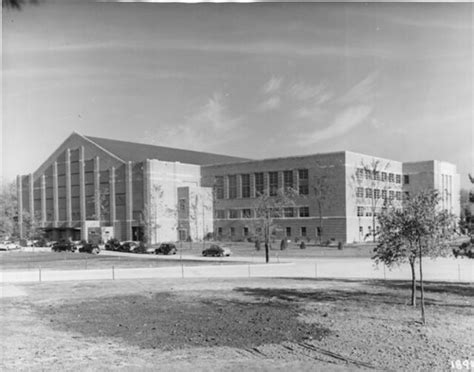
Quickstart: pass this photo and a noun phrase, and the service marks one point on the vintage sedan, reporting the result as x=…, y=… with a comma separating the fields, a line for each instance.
x=216, y=251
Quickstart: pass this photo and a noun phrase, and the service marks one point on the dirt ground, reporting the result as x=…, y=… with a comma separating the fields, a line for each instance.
x=229, y=324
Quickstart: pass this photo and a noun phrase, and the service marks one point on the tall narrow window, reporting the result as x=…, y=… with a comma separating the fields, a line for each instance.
x=273, y=183
x=245, y=185
x=303, y=177
x=406, y=179
x=232, y=187
x=259, y=184
x=304, y=211
x=303, y=231
x=288, y=232
x=288, y=179
x=219, y=187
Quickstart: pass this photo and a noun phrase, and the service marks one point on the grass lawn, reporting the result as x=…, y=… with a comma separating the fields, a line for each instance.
x=79, y=261
x=229, y=324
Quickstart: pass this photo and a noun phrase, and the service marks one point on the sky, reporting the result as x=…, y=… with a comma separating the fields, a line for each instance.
x=256, y=80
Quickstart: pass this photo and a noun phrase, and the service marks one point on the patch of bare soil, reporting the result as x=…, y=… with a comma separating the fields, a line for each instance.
x=234, y=325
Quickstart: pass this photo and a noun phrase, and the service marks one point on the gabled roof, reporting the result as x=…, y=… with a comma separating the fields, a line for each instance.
x=137, y=152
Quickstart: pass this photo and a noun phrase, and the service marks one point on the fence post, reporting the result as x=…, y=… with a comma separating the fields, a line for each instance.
x=113, y=272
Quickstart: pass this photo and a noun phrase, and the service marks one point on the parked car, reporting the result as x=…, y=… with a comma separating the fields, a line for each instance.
x=112, y=244
x=166, y=248
x=143, y=248
x=216, y=251
x=89, y=248
x=128, y=246
x=8, y=246
x=64, y=246
x=465, y=249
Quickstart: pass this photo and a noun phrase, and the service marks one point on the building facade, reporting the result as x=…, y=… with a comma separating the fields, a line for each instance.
x=130, y=191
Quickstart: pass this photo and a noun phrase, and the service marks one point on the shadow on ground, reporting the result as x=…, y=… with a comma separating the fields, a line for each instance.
x=390, y=293
x=167, y=321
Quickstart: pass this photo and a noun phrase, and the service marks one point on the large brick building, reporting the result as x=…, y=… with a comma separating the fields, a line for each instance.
x=127, y=190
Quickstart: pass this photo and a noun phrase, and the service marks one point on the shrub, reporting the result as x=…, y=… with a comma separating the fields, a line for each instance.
x=302, y=245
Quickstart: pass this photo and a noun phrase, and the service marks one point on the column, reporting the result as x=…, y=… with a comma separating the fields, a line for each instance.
x=128, y=200
x=296, y=180
x=266, y=183
x=82, y=193
x=19, y=196
x=68, y=188
x=112, y=197
x=97, y=196
x=252, y=185
x=43, y=200
x=239, y=186
x=55, y=195
x=226, y=187
x=31, y=197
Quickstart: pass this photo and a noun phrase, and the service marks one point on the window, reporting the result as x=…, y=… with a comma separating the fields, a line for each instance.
x=406, y=179
x=377, y=175
x=368, y=213
x=246, y=213
x=288, y=179
x=304, y=211
x=288, y=231
x=303, y=231
x=360, y=211
x=259, y=185
x=391, y=177
x=232, y=187
x=376, y=193
x=384, y=176
x=220, y=214
x=303, y=177
x=368, y=193
x=182, y=205
x=361, y=229
x=384, y=194
x=398, y=178
x=391, y=194
x=288, y=212
x=360, y=192
x=368, y=174
x=245, y=185
x=219, y=187
x=232, y=231
x=359, y=173
x=233, y=213
x=219, y=231
x=273, y=183
x=398, y=195
x=246, y=231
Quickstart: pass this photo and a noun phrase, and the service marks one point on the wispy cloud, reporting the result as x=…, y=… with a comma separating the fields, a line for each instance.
x=273, y=85
x=209, y=127
x=271, y=91
x=348, y=119
x=352, y=109
x=362, y=92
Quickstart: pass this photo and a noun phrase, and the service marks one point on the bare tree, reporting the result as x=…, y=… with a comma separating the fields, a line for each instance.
x=267, y=208
x=371, y=187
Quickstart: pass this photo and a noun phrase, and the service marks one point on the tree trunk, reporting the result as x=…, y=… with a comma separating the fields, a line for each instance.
x=413, y=282
x=267, y=253
x=422, y=300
